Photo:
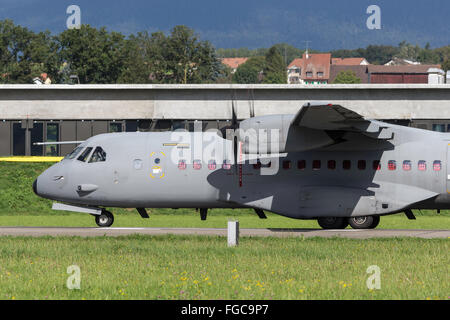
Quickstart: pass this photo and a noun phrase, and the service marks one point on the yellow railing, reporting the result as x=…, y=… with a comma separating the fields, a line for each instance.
x=30, y=159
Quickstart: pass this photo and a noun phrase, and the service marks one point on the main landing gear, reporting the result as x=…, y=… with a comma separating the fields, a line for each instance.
x=365, y=222
x=105, y=219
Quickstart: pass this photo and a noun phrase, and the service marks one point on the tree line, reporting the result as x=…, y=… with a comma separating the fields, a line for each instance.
x=98, y=56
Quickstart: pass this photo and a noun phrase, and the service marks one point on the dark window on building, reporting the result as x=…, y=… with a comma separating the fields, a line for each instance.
x=437, y=165
x=52, y=136
x=115, y=127
x=392, y=165
x=286, y=164
x=37, y=135
x=301, y=164
x=332, y=164
x=320, y=74
x=317, y=164
x=309, y=74
x=131, y=125
x=346, y=165
x=362, y=164
x=422, y=165
x=438, y=127
x=18, y=140
x=162, y=125
x=376, y=165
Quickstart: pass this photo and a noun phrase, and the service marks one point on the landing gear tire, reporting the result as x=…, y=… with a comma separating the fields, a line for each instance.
x=365, y=222
x=105, y=219
x=333, y=223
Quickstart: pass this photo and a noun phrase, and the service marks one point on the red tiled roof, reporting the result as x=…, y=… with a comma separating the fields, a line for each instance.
x=316, y=62
x=233, y=63
x=347, y=61
x=298, y=62
x=360, y=71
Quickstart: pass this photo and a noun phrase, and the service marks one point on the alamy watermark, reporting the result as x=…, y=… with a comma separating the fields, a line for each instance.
x=374, y=20
x=374, y=280
x=74, y=19
x=74, y=280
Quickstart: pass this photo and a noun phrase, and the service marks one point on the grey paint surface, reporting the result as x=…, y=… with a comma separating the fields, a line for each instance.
x=141, y=169
x=114, y=232
x=111, y=102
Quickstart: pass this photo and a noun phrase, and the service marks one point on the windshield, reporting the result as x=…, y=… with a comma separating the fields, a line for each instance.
x=74, y=153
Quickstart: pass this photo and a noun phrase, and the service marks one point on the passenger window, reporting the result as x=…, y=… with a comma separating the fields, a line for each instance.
x=182, y=164
x=392, y=165
x=317, y=164
x=332, y=164
x=226, y=165
x=212, y=164
x=197, y=164
x=376, y=165
x=98, y=155
x=84, y=155
x=301, y=164
x=362, y=164
x=346, y=165
x=286, y=164
x=422, y=165
x=437, y=165
x=407, y=165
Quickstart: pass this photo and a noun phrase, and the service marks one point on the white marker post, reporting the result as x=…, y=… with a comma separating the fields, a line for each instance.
x=233, y=233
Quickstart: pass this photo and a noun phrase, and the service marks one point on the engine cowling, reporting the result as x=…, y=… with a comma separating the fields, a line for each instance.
x=274, y=133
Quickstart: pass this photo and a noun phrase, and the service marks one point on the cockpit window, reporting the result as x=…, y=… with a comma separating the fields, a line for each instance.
x=85, y=154
x=74, y=153
x=98, y=156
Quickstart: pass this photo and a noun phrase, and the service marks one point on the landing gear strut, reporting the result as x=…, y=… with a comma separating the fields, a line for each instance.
x=105, y=219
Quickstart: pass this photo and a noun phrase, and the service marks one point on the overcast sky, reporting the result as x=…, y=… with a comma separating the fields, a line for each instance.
x=328, y=24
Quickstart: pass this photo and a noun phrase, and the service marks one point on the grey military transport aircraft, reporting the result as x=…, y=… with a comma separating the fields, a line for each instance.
x=326, y=162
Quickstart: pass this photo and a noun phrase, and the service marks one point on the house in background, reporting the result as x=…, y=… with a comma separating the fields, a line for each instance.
x=360, y=72
x=420, y=73
x=349, y=62
x=233, y=63
x=310, y=69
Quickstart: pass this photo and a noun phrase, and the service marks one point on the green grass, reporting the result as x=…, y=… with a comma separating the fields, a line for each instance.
x=192, y=220
x=181, y=267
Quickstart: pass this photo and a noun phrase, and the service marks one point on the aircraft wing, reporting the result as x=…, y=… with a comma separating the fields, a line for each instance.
x=327, y=116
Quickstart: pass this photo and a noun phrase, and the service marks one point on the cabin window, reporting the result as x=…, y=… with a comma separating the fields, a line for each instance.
x=182, y=164
x=376, y=165
x=85, y=154
x=437, y=165
x=212, y=164
x=197, y=164
x=346, y=165
x=407, y=165
x=301, y=164
x=286, y=164
x=392, y=165
x=226, y=165
x=332, y=164
x=422, y=165
x=257, y=165
x=317, y=164
x=99, y=155
x=362, y=164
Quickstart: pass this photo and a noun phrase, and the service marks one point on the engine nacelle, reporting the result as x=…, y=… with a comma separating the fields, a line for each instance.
x=274, y=133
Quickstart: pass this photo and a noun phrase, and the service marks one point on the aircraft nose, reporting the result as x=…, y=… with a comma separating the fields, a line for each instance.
x=35, y=187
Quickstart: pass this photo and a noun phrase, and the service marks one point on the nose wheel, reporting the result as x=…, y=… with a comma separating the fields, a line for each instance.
x=105, y=219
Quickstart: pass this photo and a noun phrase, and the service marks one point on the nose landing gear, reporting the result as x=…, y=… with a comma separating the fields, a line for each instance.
x=105, y=219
